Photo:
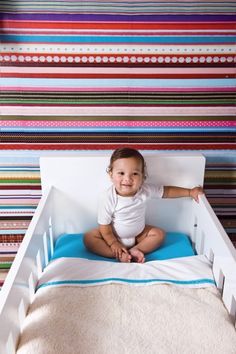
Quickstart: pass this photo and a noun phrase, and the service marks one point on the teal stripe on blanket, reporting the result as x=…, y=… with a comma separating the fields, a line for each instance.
x=176, y=245
x=128, y=281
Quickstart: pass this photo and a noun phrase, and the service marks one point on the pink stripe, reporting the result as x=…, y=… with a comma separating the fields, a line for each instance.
x=125, y=32
x=120, y=123
x=68, y=70
x=23, y=202
x=12, y=248
x=113, y=111
x=118, y=89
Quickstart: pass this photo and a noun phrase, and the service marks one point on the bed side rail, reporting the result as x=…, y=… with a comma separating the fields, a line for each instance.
x=19, y=287
x=210, y=239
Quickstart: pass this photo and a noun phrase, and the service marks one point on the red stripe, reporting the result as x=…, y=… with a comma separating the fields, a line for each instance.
x=115, y=55
x=104, y=146
x=116, y=59
x=118, y=25
x=115, y=75
x=124, y=32
x=17, y=187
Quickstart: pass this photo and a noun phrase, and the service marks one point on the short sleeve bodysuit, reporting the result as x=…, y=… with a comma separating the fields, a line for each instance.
x=126, y=214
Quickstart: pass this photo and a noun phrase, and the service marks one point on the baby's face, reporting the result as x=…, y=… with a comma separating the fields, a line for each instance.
x=127, y=176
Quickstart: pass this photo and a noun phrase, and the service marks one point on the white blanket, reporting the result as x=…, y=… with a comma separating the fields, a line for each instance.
x=88, y=307
x=185, y=272
x=117, y=319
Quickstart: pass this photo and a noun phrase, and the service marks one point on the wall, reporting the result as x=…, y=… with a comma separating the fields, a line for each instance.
x=100, y=74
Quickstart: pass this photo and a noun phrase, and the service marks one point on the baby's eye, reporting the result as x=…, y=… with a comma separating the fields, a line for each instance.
x=121, y=173
x=136, y=173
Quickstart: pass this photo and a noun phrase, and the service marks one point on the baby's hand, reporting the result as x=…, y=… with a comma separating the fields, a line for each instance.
x=125, y=257
x=195, y=192
x=117, y=249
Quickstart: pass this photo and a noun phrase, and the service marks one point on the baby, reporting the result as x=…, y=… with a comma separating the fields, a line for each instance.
x=122, y=232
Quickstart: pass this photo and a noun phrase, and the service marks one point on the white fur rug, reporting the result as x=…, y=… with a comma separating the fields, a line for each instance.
x=117, y=319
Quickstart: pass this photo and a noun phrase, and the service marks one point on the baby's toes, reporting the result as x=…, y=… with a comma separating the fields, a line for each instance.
x=125, y=257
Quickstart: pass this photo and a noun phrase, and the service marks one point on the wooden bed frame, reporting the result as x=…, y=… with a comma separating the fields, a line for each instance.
x=70, y=189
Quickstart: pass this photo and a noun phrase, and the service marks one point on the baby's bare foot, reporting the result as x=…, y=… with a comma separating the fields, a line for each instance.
x=125, y=258
x=137, y=255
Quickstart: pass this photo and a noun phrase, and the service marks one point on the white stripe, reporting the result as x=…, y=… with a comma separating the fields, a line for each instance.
x=54, y=49
x=121, y=111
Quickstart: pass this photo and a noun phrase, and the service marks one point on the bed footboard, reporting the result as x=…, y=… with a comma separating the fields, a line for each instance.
x=19, y=286
x=209, y=238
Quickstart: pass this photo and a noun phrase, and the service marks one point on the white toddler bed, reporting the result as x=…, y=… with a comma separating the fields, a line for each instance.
x=38, y=317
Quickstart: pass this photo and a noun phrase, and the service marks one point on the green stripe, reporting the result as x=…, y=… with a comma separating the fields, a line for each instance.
x=5, y=265
x=16, y=180
x=118, y=118
x=118, y=101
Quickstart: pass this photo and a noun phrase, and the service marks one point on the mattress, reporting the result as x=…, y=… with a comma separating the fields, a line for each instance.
x=175, y=245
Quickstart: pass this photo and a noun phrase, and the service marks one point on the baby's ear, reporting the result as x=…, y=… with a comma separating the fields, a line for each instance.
x=109, y=173
x=108, y=170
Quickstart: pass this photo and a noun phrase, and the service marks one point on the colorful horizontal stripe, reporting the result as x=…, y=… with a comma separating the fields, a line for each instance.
x=5, y=38
x=140, y=73
x=126, y=83
x=132, y=111
x=136, y=59
x=93, y=17
x=119, y=6
x=133, y=124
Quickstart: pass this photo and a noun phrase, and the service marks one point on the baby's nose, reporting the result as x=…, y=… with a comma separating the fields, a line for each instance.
x=128, y=177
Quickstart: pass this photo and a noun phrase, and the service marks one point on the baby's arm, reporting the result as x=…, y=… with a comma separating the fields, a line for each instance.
x=177, y=192
x=111, y=240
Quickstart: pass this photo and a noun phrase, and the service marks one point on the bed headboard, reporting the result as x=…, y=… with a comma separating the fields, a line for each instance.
x=82, y=178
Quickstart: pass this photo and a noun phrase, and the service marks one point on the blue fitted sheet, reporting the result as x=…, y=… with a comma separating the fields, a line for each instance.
x=176, y=245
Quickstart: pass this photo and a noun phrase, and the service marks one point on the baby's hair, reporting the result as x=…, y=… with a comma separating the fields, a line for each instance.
x=125, y=152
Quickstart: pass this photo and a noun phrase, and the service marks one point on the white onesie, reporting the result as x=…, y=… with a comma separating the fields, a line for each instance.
x=126, y=214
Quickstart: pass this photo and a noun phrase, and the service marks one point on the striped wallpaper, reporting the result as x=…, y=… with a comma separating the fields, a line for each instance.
x=95, y=75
